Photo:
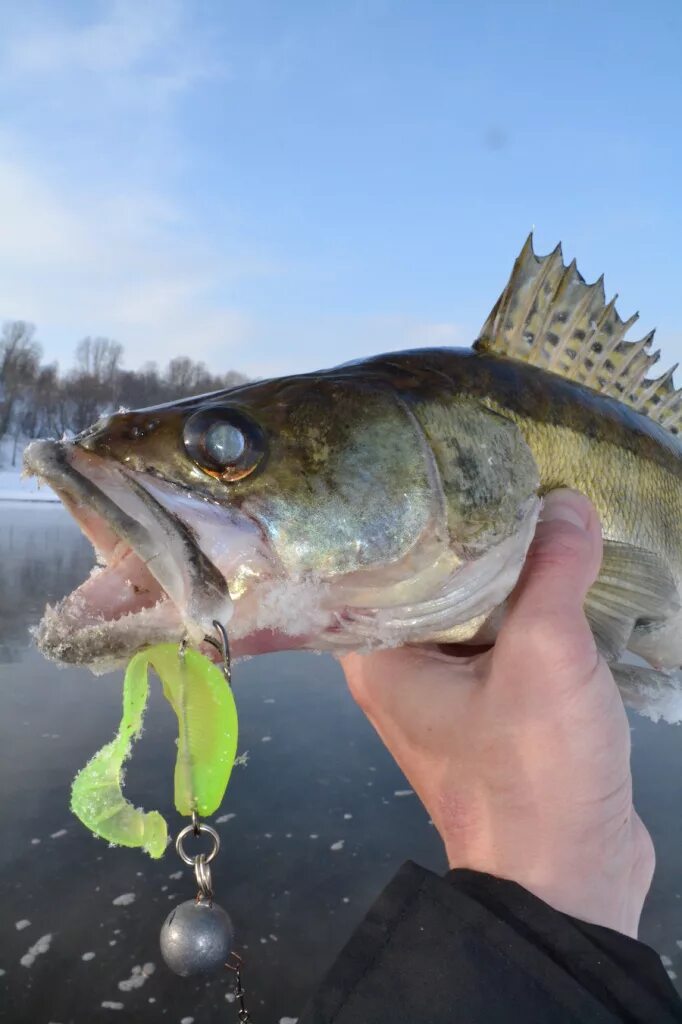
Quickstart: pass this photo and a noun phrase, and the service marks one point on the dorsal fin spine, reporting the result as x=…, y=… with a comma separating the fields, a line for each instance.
x=549, y=316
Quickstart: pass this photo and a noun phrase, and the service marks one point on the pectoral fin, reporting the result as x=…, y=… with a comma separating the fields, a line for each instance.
x=633, y=586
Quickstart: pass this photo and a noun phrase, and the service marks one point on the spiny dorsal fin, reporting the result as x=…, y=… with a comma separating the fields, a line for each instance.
x=548, y=316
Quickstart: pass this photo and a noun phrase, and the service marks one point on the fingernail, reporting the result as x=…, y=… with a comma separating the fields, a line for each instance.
x=567, y=506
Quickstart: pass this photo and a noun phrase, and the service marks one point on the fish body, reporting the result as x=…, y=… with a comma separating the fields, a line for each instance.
x=391, y=500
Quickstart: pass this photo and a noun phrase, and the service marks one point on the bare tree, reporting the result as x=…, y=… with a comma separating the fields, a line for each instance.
x=99, y=357
x=186, y=377
x=19, y=361
x=99, y=360
x=35, y=400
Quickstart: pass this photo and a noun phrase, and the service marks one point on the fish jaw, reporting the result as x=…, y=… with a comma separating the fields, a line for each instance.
x=153, y=582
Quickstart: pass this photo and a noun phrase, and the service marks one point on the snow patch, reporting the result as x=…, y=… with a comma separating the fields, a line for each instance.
x=41, y=946
x=88, y=956
x=20, y=925
x=124, y=900
x=337, y=845
x=137, y=978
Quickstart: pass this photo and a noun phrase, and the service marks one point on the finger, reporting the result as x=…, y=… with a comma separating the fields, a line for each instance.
x=546, y=617
x=376, y=679
x=405, y=680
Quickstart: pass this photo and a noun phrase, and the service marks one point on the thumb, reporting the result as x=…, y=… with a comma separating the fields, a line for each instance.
x=546, y=613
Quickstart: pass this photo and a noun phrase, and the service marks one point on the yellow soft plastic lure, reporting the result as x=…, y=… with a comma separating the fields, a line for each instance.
x=197, y=691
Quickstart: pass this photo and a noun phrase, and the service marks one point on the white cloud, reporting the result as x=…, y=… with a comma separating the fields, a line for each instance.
x=129, y=268
x=95, y=238
x=127, y=34
x=137, y=55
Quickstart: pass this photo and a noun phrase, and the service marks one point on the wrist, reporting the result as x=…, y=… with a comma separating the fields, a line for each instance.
x=601, y=883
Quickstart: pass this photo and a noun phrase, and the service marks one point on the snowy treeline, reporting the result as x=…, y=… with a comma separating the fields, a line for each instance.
x=37, y=400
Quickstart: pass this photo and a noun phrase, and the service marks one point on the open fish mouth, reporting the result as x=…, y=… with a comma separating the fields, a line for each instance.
x=153, y=582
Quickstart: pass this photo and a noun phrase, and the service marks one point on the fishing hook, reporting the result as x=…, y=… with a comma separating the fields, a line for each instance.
x=222, y=645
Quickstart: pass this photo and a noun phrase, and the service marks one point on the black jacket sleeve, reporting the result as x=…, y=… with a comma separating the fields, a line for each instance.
x=475, y=949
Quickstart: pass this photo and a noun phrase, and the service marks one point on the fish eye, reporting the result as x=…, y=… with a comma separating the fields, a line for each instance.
x=224, y=443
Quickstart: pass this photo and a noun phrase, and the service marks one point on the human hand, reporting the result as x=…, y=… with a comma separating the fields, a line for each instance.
x=521, y=754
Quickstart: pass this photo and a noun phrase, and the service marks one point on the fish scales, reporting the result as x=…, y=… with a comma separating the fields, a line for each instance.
x=629, y=466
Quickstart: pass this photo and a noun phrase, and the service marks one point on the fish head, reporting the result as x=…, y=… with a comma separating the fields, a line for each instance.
x=272, y=508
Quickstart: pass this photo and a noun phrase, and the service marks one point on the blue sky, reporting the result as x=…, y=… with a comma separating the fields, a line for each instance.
x=277, y=186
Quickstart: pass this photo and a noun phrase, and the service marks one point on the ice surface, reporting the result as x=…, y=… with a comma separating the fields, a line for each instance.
x=15, y=487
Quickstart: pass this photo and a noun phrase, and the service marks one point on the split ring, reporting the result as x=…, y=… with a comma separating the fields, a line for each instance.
x=190, y=830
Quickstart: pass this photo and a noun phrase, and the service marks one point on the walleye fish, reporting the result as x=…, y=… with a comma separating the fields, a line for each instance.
x=390, y=500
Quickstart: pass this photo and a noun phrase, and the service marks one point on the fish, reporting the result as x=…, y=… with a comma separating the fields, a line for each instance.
x=388, y=501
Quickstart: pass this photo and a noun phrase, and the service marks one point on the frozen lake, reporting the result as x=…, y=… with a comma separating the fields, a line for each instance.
x=318, y=822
